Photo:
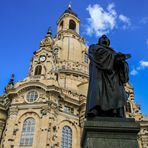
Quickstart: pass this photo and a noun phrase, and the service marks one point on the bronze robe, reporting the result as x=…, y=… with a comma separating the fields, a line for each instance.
x=106, y=78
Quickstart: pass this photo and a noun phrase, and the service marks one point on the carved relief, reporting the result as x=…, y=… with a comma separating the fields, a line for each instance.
x=76, y=66
x=46, y=42
x=45, y=110
x=13, y=111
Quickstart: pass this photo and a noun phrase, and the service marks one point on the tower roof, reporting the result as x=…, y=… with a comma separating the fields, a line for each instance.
x=69, y=10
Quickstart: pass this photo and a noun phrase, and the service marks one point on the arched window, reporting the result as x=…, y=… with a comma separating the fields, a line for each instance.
x=128, y=107
x=72, y=25
x=61, y=25
x=66, y=137
x=27, y=132
x=85, y=58
x=38, y=70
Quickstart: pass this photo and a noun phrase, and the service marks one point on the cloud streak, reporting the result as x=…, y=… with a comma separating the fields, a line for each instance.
x=102, y=21
x=142, y=65
x=134, y=72
x=144, y=20
x=147, y=41
x=125, y=20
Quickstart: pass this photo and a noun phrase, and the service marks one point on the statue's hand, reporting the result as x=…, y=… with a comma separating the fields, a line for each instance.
x=128, y=56
x=120, y=57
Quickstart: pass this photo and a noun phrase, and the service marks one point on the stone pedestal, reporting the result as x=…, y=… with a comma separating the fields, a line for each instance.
x=107, y=132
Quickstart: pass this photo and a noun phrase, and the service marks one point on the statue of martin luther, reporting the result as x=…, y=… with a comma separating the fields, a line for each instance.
x=108, y=72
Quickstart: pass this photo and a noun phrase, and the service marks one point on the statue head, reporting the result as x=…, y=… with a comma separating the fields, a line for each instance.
x=104, y=40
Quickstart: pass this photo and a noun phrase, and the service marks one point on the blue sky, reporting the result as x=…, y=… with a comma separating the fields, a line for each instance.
x=24, y=23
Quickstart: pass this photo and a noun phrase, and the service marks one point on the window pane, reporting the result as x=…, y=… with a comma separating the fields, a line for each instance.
x=128, y=107
x=66, y=137
x=32, y=96
x=68, y=109
x=85, y=58
x=27, y=132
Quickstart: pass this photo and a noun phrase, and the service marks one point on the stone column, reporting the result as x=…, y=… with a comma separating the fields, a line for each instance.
x=2, y=125
x=3, y=118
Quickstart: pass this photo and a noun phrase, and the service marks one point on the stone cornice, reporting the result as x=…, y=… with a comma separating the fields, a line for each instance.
x=72, y=116
x=64, y=33
x=41, y=49
x=73, y=72
x=67, y=14
x=31, y=84
x=30, y=106
x=2, y=107
x=67, y=66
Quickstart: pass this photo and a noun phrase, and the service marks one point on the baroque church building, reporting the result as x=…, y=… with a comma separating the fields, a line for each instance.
x=47, y=108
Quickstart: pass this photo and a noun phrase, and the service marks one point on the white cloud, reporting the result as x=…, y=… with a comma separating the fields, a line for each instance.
x=144, y=20
x=110, y=9
x=134, y=72
x=125, y=20
x=102, y=21
x=142, y=65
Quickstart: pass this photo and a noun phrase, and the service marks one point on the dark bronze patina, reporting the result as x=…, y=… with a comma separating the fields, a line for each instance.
x=108, y=72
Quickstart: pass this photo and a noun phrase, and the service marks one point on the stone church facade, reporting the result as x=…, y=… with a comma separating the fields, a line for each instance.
x=47, y=108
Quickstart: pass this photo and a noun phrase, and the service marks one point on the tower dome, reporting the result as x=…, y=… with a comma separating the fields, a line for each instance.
x=68, y=21
x=69, y=10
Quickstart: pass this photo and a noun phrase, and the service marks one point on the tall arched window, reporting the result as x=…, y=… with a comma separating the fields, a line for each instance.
x=61, y=25
x=128, y=107
x=72, y=25
x=66, y=137
x=38, y=70
x=85, y=58
x=27, y=132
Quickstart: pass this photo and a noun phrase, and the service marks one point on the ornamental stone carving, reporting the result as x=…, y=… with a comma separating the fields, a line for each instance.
x=47, y=41
x=13, y=111
x=45, y=110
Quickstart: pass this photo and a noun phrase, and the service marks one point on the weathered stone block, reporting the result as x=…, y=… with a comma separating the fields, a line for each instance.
x=107, y=132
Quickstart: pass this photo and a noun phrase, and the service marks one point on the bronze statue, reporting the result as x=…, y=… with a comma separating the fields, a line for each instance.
x=108, y=72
